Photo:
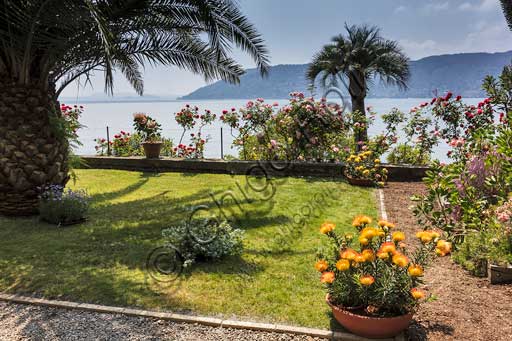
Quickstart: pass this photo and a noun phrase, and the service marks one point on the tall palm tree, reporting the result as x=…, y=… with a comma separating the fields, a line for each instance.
x=358, y=58
x=506, y=5
x=47, y=44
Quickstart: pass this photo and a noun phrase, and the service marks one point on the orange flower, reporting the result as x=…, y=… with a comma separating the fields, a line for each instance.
x=349, y=254
x=388, y=247
x=400, y=260
x=443, y=248
x=367, y=280
x=327, y=227
x=321, y=265
x=360, y=259
x=415, y=270
x=343, y=264
x=382, y=255
x=361, y=220
x=369, y=232
x=368, y=255
x=327, y=277
x=417, y=293
x=385, y=223
x=398, y=236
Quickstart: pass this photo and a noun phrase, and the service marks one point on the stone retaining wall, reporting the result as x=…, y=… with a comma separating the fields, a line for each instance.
x=280, y=168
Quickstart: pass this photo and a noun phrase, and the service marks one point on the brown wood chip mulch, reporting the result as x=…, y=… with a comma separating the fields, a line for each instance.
x=467, y=308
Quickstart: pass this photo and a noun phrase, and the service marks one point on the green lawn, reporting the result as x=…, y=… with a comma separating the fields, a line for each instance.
x=103, y=260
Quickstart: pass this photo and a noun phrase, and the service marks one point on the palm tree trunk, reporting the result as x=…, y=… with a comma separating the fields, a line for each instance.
x=357, y=90
x=32, y=152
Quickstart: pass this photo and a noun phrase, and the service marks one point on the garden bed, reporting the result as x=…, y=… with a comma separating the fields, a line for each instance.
x=216, y=166
x=104, y=259
x=467, y=308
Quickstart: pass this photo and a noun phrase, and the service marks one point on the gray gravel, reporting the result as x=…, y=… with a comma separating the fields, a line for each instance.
x=26, y=322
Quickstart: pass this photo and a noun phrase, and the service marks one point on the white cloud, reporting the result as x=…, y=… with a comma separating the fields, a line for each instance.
x=400, y=9
x=436, y=7
x=420, y=49
x=482, y=6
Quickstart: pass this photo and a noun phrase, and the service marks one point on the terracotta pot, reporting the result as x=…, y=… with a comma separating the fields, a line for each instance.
x=152, y=149
x=370, y=327
x=360, y=182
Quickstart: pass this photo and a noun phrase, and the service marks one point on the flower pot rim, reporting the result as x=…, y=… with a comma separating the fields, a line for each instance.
x=348, y=312
x=152, y=142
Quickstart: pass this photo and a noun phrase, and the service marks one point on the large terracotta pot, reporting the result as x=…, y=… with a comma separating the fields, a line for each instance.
x=152, y=149
x=360, y=182
x=370, y=327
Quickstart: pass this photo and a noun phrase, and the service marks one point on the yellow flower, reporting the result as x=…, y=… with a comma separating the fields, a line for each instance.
x=327, y=277
x=385, y=223
x=321, y=265
x=368, y=255
x=343, y=264
x=400, y=260
x=367, y=280
x=398, y=236
x=366, y=172
x=368, y=232
x=443, y=248
x=357, y=159
x=377, y=161
x=327, y=227
x=363, y=240
x=415, y=270
x=417, y=294
x=384, y=171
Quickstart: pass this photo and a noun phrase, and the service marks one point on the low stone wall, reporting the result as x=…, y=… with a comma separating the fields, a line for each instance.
x=268, y=168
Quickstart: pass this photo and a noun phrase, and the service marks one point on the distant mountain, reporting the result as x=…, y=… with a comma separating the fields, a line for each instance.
x=461, y=73
x=118, y=97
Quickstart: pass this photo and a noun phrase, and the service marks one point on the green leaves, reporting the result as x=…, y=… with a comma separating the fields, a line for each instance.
x=75, y=38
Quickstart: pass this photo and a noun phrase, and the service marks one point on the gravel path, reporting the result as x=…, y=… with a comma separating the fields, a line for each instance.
x=26, y=322
x=467, y=308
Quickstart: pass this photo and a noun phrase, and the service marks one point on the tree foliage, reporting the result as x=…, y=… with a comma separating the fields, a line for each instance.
x=50, y=42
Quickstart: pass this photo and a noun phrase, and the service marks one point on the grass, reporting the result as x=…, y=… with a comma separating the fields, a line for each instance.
x=103, y=260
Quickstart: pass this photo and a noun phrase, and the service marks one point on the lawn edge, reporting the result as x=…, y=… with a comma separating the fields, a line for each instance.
x=180, y=318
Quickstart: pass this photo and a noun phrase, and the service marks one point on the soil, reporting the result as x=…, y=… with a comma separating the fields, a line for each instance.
x=467, y=307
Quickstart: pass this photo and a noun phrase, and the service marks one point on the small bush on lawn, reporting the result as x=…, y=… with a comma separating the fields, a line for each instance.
x=204, y=239
x=59, y=206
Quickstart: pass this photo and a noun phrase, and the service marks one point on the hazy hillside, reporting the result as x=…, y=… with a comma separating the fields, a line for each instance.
x=460, y=73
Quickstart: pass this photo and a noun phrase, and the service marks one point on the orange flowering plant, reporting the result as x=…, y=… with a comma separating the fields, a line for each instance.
x=374, y=270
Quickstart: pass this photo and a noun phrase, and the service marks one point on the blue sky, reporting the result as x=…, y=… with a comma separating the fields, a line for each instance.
x=295, y=29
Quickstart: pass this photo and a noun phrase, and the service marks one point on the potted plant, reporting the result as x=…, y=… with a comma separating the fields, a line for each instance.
x=373, y=289
x=363, y=169
x=149, y=129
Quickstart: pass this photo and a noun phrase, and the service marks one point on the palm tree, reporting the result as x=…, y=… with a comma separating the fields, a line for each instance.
x=47, y=44
x=506, y=5
x=358, y=58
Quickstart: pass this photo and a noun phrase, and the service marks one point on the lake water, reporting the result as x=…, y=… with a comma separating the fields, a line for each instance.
x=118, y=116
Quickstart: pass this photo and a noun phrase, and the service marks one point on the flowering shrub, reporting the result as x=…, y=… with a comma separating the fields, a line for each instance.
x=380, y=277
x=59, y=206
x=462, y=196
x=188, y=118
x=148, y=128
x=406, y=154
x=101, y=146
x=366, y=166
x=202, y=239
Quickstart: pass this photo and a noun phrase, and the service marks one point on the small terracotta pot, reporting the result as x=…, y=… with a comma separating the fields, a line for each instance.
x=370, y=327
x=152, y=149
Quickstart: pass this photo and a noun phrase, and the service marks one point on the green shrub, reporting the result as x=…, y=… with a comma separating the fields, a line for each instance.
x=204, y=239
x=59, y=206
x=408, y=155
